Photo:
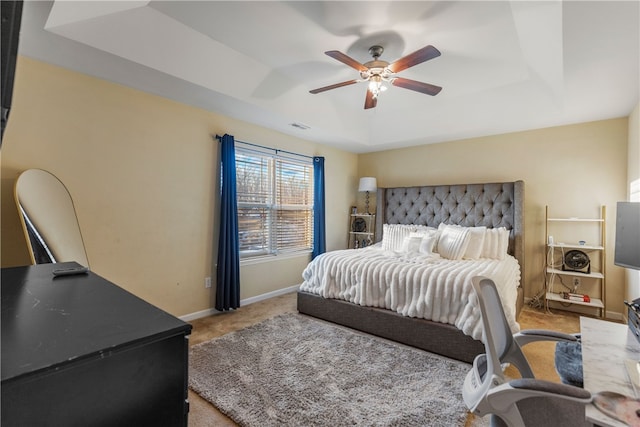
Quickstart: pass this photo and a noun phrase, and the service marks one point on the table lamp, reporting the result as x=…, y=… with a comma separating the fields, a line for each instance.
x=367, y=184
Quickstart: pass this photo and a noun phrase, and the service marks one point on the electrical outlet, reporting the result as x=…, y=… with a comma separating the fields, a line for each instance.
x=576, y=283
x=207, y=282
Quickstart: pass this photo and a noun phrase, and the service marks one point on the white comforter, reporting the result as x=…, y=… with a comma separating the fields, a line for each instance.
x=414, y=285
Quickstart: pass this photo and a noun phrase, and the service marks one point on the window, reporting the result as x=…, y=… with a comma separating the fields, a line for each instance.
x=275, y=203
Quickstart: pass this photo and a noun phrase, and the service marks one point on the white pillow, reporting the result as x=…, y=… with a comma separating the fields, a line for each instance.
x=420, y=241
x=496, y=243
x=453, y=241
x=476, y=242
x=393, y=235
x=428, y=243
x=412, y=243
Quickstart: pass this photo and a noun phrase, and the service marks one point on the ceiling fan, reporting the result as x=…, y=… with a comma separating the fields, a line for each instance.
x=376, y=72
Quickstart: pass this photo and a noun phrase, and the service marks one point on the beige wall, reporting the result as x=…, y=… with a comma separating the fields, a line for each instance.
x=142, y=171
x=573, y=169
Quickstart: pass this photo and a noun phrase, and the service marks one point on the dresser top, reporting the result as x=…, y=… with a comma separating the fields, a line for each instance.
x=49, y=321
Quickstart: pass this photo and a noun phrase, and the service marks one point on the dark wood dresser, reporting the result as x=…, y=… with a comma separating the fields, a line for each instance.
x=81, y=351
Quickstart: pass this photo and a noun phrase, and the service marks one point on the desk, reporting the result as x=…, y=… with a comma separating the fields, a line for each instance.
x=605, y=346
x=81, y=351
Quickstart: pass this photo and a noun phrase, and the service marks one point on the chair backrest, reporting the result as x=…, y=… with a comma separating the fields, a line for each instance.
x=497, y=338
x=506, y=348
x=514, y=403
x=500, y=347
x=496, y=326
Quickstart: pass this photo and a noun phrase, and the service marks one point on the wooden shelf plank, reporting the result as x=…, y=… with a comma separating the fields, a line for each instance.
x=592, y=275
x=595, y=302
x=576, y=246
x=575, y=219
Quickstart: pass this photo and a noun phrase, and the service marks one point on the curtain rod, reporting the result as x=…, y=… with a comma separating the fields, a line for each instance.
x=219, y=138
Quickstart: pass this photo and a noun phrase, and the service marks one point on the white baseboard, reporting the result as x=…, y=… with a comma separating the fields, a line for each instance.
x=269, y=295
x=247, y=301
x=614, y=315
x=611, y=315
x=198, y=314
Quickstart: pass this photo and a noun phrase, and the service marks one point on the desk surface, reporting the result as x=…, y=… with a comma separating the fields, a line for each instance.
x=605, y=346
x=49, y=321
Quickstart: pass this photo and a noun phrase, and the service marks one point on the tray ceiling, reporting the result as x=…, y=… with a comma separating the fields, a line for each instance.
x=505, y=66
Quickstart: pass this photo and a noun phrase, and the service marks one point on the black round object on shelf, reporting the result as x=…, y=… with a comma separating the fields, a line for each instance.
x=359, y=225
x=576, y=260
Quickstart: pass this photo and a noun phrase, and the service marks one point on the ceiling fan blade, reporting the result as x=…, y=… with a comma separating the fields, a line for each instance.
x=415, y=58
x=337, y=55
x=370, y=101
x=335, y=86
x=417, y=86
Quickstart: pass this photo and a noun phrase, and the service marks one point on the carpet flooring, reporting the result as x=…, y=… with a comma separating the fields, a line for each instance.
x=293, y=370
x=203, y=414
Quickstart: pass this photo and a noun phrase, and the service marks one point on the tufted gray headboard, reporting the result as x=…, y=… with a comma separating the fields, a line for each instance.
x=499, y=204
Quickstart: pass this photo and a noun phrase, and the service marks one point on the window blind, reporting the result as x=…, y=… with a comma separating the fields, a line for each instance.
x=275, y=203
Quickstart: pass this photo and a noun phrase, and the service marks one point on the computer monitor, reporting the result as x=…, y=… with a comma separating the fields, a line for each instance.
x=627, y=249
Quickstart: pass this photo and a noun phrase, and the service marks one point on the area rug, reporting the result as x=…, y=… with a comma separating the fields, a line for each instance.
x=293, y=370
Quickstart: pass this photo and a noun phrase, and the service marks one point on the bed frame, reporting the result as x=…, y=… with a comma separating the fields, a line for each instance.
x=491, y=205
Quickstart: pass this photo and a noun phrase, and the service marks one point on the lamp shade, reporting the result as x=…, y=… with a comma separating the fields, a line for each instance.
x=368, y=184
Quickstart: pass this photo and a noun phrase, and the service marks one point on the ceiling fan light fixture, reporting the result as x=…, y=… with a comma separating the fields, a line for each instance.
x=376, y=86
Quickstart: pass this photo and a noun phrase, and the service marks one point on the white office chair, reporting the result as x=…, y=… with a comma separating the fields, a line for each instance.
x=519, y=402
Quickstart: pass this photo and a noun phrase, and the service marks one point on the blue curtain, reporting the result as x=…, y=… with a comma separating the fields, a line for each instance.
x=319, y=234
x=228, y=271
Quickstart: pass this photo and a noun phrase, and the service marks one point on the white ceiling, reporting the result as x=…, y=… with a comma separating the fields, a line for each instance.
x=505, y=65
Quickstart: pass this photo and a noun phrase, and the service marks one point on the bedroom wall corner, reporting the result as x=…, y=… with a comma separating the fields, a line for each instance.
x=550, y=161
x=142, y=172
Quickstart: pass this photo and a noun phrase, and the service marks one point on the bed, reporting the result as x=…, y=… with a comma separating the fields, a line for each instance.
x=496, y=206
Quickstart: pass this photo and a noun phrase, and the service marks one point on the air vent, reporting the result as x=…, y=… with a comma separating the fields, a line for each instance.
x=300, y=126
